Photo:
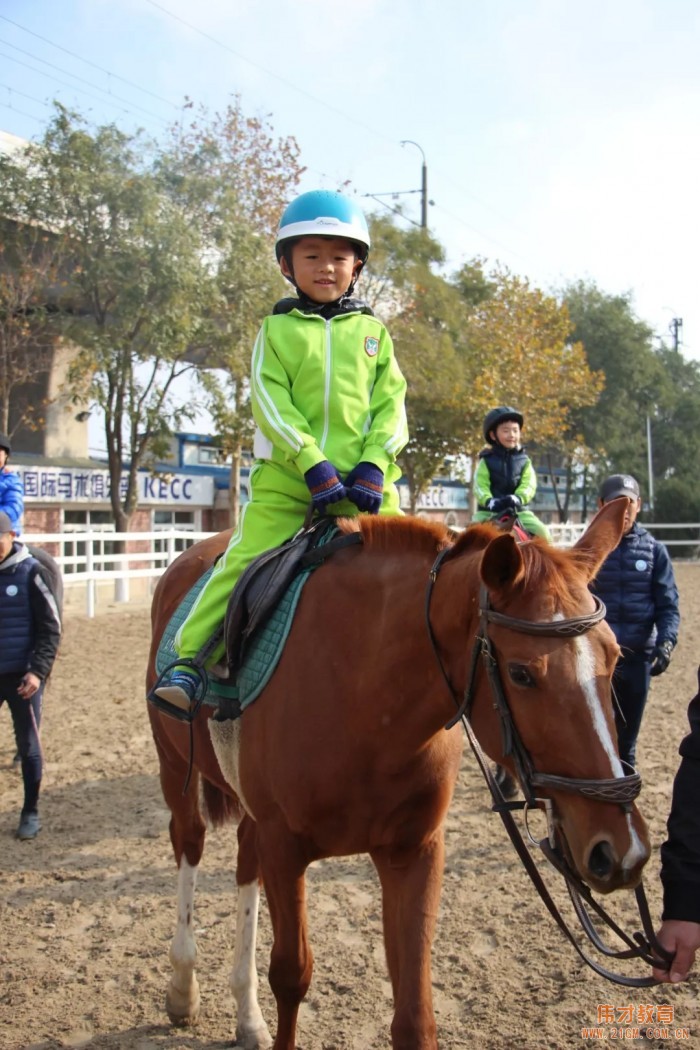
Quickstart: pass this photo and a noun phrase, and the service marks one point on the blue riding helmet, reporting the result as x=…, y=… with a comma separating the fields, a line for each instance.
x=323, y=213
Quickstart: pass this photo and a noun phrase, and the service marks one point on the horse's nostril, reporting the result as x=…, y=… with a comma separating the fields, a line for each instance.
x=601, y=860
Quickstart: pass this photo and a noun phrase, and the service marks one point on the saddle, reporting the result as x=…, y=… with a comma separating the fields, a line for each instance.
x=256, y=626
x=262, y=584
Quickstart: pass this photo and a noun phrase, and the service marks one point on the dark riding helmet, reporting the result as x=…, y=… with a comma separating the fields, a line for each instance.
x=502, y=414
x=5, y=443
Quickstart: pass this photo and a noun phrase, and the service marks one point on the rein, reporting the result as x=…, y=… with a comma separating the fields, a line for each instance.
x=619, y=790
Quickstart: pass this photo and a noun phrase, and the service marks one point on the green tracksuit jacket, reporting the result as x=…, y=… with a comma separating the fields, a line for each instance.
x=320, y=389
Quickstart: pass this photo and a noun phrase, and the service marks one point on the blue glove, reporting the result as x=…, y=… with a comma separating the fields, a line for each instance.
x=365, y=485
x=324, y=485
x=492, y=504
x=510, y=501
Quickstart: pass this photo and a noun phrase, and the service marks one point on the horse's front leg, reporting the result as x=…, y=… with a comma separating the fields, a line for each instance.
x=251, y=1031
x=411, y=879
x=291, y=960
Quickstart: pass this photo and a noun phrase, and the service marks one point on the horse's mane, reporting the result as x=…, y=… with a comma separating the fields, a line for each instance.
x=545, y=567
x=392, y=534
x=559, y=572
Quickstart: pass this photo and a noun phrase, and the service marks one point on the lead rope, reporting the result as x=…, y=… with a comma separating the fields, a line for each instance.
x=640, y=947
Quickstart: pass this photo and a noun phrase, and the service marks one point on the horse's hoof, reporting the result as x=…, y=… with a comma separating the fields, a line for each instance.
x=260, y=1039
x=183, y=1009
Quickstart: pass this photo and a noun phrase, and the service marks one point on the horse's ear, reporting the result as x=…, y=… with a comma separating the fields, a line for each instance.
x=602, y=536
x=502, y=563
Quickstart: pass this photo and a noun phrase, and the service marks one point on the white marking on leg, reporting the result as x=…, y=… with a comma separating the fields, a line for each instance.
x=183, y=992
x=251, y=1030
x=585, y=675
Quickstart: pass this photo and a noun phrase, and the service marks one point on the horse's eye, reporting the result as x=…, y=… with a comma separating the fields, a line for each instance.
x=519, y=675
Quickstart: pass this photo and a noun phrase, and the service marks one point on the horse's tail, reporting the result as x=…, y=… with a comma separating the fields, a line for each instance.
x=221, y=808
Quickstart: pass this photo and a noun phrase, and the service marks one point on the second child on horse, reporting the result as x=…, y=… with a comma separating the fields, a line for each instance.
x=505, y=479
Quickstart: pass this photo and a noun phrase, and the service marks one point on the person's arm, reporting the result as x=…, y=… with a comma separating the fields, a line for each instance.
x=47, y=626
x=388, y=429
x=12, y=496
x=680, y=857
x=274, y=411
x=482, y=484
x=667, y=615
x=527, y=486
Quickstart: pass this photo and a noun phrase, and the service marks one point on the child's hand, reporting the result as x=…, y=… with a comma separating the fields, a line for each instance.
x=365, y=485
x=324, y=485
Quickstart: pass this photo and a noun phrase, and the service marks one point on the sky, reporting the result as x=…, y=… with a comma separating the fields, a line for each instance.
x=560, y=138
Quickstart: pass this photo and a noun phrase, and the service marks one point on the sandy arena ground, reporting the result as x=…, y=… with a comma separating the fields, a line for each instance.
x=87, y=909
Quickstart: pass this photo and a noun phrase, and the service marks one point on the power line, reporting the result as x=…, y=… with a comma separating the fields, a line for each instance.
x=269, y=72
x=75, y=76
x=22, y=113
x=88, y=62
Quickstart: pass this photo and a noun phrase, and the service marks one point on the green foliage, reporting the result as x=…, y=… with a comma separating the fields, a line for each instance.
x=677, y=499
x=620, y=346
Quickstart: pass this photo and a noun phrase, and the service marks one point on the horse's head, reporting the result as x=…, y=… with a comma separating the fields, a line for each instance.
x=553, y=659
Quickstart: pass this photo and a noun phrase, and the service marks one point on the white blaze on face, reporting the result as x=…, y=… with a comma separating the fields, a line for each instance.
x=586, y=677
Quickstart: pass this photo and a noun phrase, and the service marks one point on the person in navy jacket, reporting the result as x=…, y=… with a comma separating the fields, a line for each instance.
x=30, y=630
x=638, y=587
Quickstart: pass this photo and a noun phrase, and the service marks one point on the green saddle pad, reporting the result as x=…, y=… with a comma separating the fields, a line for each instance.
x=263, y=651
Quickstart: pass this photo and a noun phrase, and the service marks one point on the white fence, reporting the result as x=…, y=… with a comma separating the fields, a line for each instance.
x=89, y=560
x=566, y=535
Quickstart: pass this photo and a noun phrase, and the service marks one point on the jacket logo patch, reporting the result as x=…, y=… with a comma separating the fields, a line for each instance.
x=640, y=565
x=371, y=346
x=11, y=590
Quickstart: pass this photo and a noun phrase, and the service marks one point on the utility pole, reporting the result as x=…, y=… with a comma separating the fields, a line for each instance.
x=424, y=202
x=675, y=327
x=423, y=184
x=650, y=466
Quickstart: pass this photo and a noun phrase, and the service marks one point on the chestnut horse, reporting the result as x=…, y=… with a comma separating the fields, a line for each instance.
x=346, y=750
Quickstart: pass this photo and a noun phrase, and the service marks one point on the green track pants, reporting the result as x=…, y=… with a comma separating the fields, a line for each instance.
x=279, y=501
x=527, y=519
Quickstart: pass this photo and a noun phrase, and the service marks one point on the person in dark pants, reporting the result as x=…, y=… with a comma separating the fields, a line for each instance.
x=638, y=587
x=30, y=630
x=680, y=858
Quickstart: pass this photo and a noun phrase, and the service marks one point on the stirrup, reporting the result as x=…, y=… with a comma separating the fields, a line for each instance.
x=173, y=709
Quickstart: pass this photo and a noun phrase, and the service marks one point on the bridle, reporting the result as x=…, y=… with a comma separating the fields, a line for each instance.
x=620, y=790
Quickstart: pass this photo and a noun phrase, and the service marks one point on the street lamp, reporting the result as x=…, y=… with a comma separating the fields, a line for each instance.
x=424, y=184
